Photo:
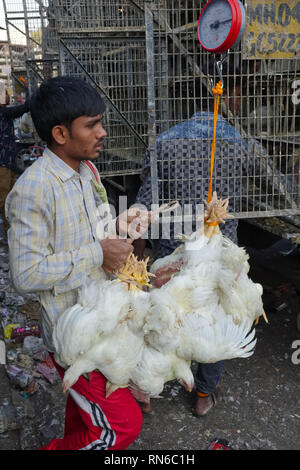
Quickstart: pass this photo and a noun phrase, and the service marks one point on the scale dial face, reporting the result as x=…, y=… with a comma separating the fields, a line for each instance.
x=221, y=24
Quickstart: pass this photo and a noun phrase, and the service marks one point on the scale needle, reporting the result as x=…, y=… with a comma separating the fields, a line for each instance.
x=217, y=23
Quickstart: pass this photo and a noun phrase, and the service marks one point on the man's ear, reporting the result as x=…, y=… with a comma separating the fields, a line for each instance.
x=60, y=134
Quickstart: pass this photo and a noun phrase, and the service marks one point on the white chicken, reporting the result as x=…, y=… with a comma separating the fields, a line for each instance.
x=155, y=369
x=101, y=306
x=115, y=355
x=103, y=331
x=204, y=313
x=206, y=310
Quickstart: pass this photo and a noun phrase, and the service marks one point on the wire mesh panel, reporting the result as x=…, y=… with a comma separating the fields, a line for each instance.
x=257, y=157
x=29, y=22
x=117, y=66
x=15, y=25
x=49, y=29
x=41, y=70
x=93, y=15
x=31, y=31
x=136, y=50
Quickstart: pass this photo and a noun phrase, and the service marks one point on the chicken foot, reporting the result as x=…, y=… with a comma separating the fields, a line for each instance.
x=215, y=213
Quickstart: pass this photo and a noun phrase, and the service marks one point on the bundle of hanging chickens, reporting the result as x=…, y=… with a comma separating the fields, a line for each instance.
x=201, y=307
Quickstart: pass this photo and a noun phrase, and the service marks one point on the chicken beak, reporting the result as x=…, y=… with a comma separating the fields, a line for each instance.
x=265, y=316
x=188, y=387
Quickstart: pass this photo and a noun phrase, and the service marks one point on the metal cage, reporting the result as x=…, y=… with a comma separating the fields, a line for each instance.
x=117, y=67
x=269, y=119
x=145, y=59
x=31, y=33
x=41, y=70
x=89, y=16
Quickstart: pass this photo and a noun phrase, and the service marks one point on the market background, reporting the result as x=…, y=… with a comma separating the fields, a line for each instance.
x=143, y=57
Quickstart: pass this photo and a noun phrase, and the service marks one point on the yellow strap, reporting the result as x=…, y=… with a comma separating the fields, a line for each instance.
x=211, y=224
x=217, y=91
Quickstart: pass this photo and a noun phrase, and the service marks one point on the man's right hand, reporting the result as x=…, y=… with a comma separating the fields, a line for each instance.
x=115, y=253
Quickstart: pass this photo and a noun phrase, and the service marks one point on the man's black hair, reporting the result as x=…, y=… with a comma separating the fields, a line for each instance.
x=59, y=101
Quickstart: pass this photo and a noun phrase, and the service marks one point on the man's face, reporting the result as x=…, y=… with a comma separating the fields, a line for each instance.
x=85, y=138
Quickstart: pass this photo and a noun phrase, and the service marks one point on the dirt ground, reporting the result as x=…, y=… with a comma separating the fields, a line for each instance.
x=259, y=402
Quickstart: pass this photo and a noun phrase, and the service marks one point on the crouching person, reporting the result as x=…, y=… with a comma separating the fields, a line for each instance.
x=53, y=213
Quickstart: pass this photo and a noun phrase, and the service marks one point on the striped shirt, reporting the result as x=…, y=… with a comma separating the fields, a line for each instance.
x=53, y=239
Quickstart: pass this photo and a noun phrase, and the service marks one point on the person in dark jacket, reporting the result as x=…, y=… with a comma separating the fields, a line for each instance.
x=8, y=150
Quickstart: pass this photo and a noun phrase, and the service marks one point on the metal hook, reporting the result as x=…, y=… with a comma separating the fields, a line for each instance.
x=219, y=65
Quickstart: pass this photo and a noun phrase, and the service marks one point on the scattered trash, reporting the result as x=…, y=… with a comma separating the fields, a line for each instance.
x=12, y=355
x=47, y=432
x=25, y=361
x=31, y=309
x=220, y=444
x=10, y=419
x=9, y=328
x=5, y=315
x=33, y=345
x=18, y=334
x=32, y=388
x=18, y=376
x=2, y=352
x=281, y=307
x=41, y=355
x=21, y=400
x=47, y=371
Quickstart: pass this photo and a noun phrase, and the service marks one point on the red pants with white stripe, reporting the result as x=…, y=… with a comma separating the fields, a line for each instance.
x=93, y=422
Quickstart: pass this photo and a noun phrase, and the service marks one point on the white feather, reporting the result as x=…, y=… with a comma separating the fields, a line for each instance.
x=208, y=342
x=156, y=368
x=115, y=355
x=78, y=328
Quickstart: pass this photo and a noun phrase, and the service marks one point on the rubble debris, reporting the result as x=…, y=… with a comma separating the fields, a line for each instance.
x=31, y=309
x=25, y=361
x=47, y=371
x=10, y=418
x=19, y=376
x=220, y=444
x=9, y=328
x=19, y=333
x=33, y=345
x=2, y=352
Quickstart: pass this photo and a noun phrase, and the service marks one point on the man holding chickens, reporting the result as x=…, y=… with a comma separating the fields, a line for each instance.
x=55, y=214
x=187, y=148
